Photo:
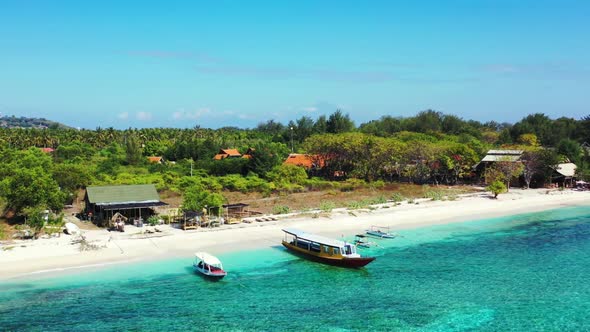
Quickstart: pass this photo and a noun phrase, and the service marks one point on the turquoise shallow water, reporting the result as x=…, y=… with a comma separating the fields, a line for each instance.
x=519, y=273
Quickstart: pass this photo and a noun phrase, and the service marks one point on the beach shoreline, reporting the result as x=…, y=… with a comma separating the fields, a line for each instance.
x=54, y=256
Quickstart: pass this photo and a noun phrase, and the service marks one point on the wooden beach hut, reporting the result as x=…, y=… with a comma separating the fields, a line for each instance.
x=235, y=212
x=494, y=156
x=564, y=175
x=135, y=202
x=191, y=220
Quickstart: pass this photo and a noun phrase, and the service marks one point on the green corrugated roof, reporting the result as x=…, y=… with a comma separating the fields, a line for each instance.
x=122, y=194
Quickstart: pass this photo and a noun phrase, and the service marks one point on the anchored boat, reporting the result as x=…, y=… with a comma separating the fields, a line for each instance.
x=209, y=266
x=360, y=241
x=380, y=231
x=324, y=250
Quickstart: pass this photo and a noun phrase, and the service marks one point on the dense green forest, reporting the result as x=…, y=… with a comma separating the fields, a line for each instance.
x=429, y=148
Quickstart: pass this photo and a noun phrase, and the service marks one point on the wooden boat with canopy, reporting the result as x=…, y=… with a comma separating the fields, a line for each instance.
x=324, y=250
x=209, y=266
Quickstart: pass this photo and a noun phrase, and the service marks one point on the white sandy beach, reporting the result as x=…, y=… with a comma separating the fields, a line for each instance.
x=55, y=255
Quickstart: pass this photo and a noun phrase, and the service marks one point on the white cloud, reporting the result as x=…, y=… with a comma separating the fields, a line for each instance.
x=194, y=115
x=243, y=116
x=198, y=113
x=177, y=115
x=143, y=116
x=310, y=109
x=123, y=116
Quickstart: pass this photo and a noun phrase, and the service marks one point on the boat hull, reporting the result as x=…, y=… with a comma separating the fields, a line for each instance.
x=381, y=235
x=349, y=262
x=210, y=275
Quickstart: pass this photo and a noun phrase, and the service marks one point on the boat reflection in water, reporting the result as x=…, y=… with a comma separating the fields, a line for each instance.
x=324, y=250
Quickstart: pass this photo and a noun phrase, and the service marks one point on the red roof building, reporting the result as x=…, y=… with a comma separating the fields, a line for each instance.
x=248, y=154
x=227, y=153
x=155, y=160
x=47, y=150
x=303, y=160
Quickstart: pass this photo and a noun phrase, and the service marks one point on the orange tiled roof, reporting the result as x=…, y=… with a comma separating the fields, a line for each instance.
x=225, y=153
x=298, y=159
x=154, y=159
x=248, y=154
x=232, y=152
x=47, y=150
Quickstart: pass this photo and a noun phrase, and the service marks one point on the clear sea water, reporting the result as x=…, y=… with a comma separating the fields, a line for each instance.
x=526, y=272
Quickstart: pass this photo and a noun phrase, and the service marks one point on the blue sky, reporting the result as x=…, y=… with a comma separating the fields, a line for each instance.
x=238, y=63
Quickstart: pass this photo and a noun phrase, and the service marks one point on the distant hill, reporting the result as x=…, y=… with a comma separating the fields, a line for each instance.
x=24, y=122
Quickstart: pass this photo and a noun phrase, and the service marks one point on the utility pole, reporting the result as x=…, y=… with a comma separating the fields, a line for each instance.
x=191, y=167
x=291, y=139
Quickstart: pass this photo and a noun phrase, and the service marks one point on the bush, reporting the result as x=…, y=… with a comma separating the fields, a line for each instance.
x=286, y=188
x=352, y=184
x=379, y=184
x=355, y=205
x=52, y=229
x=24, y=231
x=327, y=206
x=35, y=219
x=366, y=203
x=346, y=187
x=195, y=199
x=209, y=183
x=234, y=182
x=254, y=183
x=379, y=200
x=223, y=167
x=280, y=209
x=397, y=197
x=3, y=232
x=497, y=187
x=251, y=183
x=153, y=220
x=435, y=195
x=287, y=174
x=316, y=183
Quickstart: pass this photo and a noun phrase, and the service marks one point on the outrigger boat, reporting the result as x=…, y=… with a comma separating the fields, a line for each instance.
x=324, y=250
x=379, y=231
x=360, y=241
x=209, y=266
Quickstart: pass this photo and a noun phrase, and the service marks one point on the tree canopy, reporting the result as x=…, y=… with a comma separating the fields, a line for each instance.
x=430, y=147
